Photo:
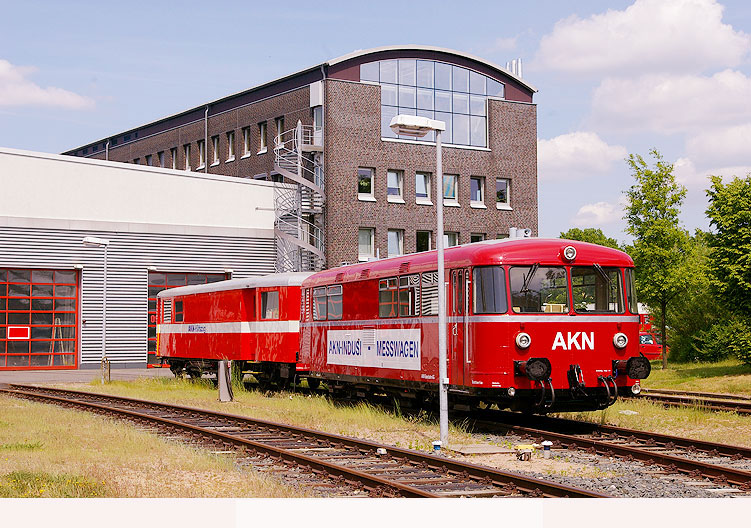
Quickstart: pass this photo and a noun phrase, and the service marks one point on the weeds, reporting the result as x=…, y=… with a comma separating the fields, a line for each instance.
x=25, y=484
x=22, y=446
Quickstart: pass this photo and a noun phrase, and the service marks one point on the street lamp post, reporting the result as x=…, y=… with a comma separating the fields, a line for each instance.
x=101, y=242
x=415, y=126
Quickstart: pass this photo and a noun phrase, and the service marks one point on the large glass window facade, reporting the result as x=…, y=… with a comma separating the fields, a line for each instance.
x=448, y=93
x=38, y=318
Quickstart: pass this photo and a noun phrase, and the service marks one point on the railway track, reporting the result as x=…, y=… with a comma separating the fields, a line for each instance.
x=702, y=400
x=693, y=458
x=338, y=464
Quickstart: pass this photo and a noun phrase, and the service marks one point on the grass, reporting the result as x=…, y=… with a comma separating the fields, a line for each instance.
x=24, y=484
x=728, y=376
x=360, y=419
x=53, y=452
x=688, y=422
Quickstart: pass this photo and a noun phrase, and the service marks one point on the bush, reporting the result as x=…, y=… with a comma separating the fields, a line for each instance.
x=730, y=337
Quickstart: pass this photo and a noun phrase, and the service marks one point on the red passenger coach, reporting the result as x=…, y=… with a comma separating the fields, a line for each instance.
x=533, y=324
x=253, y=322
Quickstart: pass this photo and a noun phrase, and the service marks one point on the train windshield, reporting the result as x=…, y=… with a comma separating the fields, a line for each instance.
x=539, y=289
x=631, y=291
x=597, y=289
x=489, y=295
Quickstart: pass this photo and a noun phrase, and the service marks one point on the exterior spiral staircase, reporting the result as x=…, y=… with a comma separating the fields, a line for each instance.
x=299, y=200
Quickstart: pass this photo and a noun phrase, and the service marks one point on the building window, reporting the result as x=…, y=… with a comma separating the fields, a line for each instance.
x=477, y=191
x=422, y=188
x=395, y=181
x=137, y=161
x=231, y=146
x=423, y=240
x=246, y=142
x=262, y=138
x=186, y=151
x=476, y=237
x=173, y=155
x=396, y=242
x=38, y=318
x=148, y=160
x=448, y=93
x=450, y=239
x=365, y=184
x=279, y=122
x=215, y=149
x=503, y=193
x=365, y=236
x=160, y=156
x=450, y=188
x=502, y=236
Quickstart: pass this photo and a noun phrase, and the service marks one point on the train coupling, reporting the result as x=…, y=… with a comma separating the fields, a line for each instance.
x=536, y=369
x=635, y=368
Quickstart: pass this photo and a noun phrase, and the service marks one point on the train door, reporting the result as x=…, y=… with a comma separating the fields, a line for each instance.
x=457, y=331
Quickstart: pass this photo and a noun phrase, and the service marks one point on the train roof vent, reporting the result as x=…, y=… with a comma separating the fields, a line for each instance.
x=339, y=277
x=404, y=268
x=364, y=274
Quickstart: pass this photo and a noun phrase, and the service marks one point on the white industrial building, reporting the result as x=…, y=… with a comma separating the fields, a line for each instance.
x=165, y=228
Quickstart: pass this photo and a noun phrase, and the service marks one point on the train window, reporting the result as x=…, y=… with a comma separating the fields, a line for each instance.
x=178, y=315
x=489, y=290
x=270, y=305
x=646, y=339
x=631, y=291
x=388, y=298
x=409, y=295
x=596, y=289
x=429, y=297
x=538, y=289
x=334, y=296
x=319, y=304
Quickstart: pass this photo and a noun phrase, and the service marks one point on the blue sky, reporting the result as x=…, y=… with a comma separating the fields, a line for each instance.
x=614, y=77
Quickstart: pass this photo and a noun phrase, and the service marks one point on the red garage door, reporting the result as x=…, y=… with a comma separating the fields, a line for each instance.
x=38, y=319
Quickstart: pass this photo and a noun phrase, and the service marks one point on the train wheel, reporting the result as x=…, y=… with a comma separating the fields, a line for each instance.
x=177, y=370
x=194, y=373
x=314, y=383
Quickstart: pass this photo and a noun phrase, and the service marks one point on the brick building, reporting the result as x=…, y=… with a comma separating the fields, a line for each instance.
x=361, y=191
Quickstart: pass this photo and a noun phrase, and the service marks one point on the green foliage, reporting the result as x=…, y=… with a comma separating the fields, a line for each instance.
x=696, y=309
x=730, y=336
x=730, y=245
x=660, y=244
x=591, y=235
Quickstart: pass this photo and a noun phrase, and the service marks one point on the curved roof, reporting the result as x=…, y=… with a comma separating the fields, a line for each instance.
x=510, y=251
x=360, y=53
x=265, y=281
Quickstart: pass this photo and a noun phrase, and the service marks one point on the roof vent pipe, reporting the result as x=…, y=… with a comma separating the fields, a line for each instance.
x=519, y=68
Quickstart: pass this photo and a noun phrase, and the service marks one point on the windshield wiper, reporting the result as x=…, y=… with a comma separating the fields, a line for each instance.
x=528, y=277
x=602, y=273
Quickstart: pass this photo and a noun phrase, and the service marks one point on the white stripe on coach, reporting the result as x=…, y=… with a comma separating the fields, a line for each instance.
x=239, y=327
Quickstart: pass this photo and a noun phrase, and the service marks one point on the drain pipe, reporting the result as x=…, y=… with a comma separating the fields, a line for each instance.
x=206, y=140
x=107, y=150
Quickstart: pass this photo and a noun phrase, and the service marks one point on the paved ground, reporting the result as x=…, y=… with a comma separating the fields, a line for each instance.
x=78, y=376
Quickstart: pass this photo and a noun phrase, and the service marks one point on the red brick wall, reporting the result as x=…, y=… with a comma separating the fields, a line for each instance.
x=353, y=139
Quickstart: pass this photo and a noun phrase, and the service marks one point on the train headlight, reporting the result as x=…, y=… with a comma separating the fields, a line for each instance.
x=523, y=340
x=620, y=340
x=569, y=253
x=635, y=389
x=511, y=391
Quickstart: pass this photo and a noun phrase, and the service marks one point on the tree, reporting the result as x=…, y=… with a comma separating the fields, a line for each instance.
x=730, y=244
x=729, y=262
x=592, y=235
x=660, y=243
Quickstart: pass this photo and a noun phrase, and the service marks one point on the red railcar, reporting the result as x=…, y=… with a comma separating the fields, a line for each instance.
x=533, y=324
x=253, y=322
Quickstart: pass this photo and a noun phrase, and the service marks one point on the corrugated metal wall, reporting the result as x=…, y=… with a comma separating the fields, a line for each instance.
x=128, y=258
